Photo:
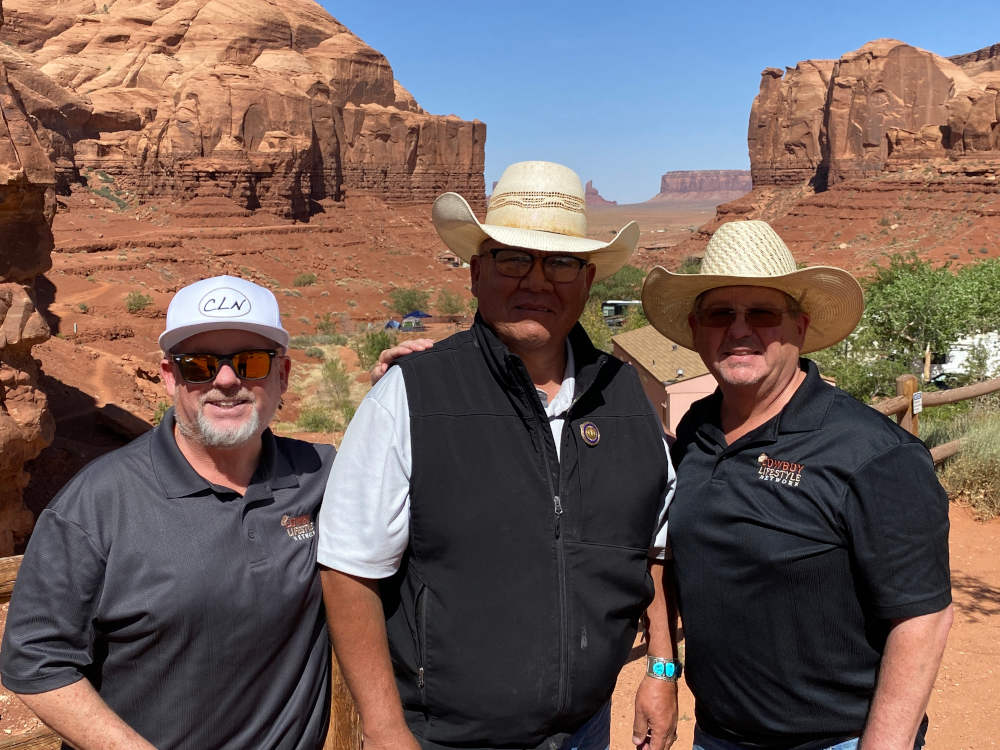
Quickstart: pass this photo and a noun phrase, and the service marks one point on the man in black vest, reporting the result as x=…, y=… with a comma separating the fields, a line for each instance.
x=494, y=525
x=809, y=533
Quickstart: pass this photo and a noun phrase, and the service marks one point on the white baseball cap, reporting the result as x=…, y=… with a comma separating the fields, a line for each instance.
x=222, y=303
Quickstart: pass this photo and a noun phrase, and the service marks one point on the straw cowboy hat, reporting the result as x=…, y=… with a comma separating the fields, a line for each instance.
x=750, y=253
x=537, y=205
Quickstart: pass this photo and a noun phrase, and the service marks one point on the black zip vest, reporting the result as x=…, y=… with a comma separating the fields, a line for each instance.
x=519, y=594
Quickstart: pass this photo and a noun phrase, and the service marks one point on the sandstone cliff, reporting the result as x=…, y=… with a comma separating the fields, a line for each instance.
x=27, y=205
x=701, y=185
x=273, y=104
x=883, y=106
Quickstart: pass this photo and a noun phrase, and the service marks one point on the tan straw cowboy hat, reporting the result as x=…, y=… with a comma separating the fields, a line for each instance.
x=750, y=253
x=537, y=205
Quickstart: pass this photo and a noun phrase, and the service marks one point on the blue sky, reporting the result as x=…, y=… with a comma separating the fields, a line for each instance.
x=623, y=92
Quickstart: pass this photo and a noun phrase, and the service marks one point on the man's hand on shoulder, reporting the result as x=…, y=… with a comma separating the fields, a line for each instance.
x=388, y=356
x=655, y=725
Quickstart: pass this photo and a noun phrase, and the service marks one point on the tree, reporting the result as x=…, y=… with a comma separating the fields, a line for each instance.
x=625, y=283
x=407, y=299
x=449, y=304
x=909, y=306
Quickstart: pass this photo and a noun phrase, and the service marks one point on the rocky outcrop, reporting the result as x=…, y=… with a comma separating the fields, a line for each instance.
x=982, y=60
x=881, y=107
x=27, y=206
x=594, y=197
x=706, y=184
x=275, y=105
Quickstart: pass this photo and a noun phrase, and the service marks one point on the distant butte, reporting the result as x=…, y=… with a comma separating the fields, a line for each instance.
x=717, y=185
x=594, y=198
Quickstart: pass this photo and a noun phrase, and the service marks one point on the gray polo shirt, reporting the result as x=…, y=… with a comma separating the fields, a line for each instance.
x=195, y=612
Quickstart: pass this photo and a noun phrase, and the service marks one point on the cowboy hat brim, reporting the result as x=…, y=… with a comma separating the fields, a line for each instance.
x=462, y=232
x=831, y=297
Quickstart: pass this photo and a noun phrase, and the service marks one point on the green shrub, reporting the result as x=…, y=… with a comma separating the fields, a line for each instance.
x=304, y=279
x=83, y=307
x=449, y=304
x=317, y=419
x=973, y=474
x=326, y=324
x=407, y=299
x=105, y=192
x=161, y=409
x=315, y=352
x=369, y=345
x=137, y=301
x=307, y=340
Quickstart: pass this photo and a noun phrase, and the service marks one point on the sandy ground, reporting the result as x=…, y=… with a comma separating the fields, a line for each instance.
x=964, y=709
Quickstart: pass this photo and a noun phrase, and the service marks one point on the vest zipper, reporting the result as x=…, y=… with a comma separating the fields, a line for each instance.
x=563, y=614
x=421, y=640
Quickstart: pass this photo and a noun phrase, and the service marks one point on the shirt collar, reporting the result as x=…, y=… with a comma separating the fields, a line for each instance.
x=804, y=412
x=179, y=479
x=564, y=398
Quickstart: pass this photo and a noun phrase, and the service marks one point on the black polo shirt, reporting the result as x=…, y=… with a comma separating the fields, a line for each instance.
x=794, y=548
x=195, y=612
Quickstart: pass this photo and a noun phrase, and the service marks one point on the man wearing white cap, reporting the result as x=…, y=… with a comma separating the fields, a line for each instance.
x=809, y=533
x=497, y=506
x=168, y=597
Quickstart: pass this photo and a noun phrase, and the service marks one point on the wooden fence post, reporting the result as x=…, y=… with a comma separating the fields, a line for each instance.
x=345, y=724
x=906, y=385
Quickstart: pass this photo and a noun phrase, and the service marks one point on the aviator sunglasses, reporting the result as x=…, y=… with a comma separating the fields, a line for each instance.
x=756, y=317
x=517, y=264
x=253, y=364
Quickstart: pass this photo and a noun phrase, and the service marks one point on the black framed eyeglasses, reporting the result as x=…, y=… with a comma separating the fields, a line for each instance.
x=518, y=263
x=756, y=317
x=252, y=364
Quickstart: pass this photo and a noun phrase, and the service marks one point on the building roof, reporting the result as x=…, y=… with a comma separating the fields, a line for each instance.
x=659, y=355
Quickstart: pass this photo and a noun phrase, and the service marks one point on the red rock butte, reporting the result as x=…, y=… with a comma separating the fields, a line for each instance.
x=884, y=106
x=272, y=104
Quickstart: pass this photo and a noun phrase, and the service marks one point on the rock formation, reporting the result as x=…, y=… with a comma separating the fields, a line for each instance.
x=883, y=106
x=701, y=185
x=594, y=198
x=273, y=104
x=27, y=205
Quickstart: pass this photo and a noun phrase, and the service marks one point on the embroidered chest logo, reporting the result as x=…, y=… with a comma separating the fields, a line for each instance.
x=299, y=528
x=782, y=472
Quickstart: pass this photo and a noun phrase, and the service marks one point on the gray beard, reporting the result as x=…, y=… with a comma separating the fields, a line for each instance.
x=204, y=432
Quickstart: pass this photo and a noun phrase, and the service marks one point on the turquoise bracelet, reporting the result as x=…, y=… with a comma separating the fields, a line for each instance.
x=663, y=669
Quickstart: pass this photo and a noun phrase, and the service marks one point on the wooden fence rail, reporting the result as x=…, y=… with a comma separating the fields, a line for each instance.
x=901, y=407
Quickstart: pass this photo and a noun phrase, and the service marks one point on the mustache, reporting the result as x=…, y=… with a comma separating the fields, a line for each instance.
x=243, y=394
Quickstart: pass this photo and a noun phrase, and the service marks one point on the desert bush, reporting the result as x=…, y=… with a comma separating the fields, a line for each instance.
x=304, y=279
x=593, y=323
x=973, y=474
x=407, y=299
x=161, y=409
x=83, y=307
x=307, y=340
x=137, y=301
x=315, y=352
x=369, y=345
x=449, y=304
x=317, y=418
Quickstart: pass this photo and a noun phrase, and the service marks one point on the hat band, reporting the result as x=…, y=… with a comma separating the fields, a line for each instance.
x=537, y=199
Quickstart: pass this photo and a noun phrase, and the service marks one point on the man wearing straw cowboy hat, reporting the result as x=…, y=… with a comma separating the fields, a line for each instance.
x=809, y=533
x=497, y=506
